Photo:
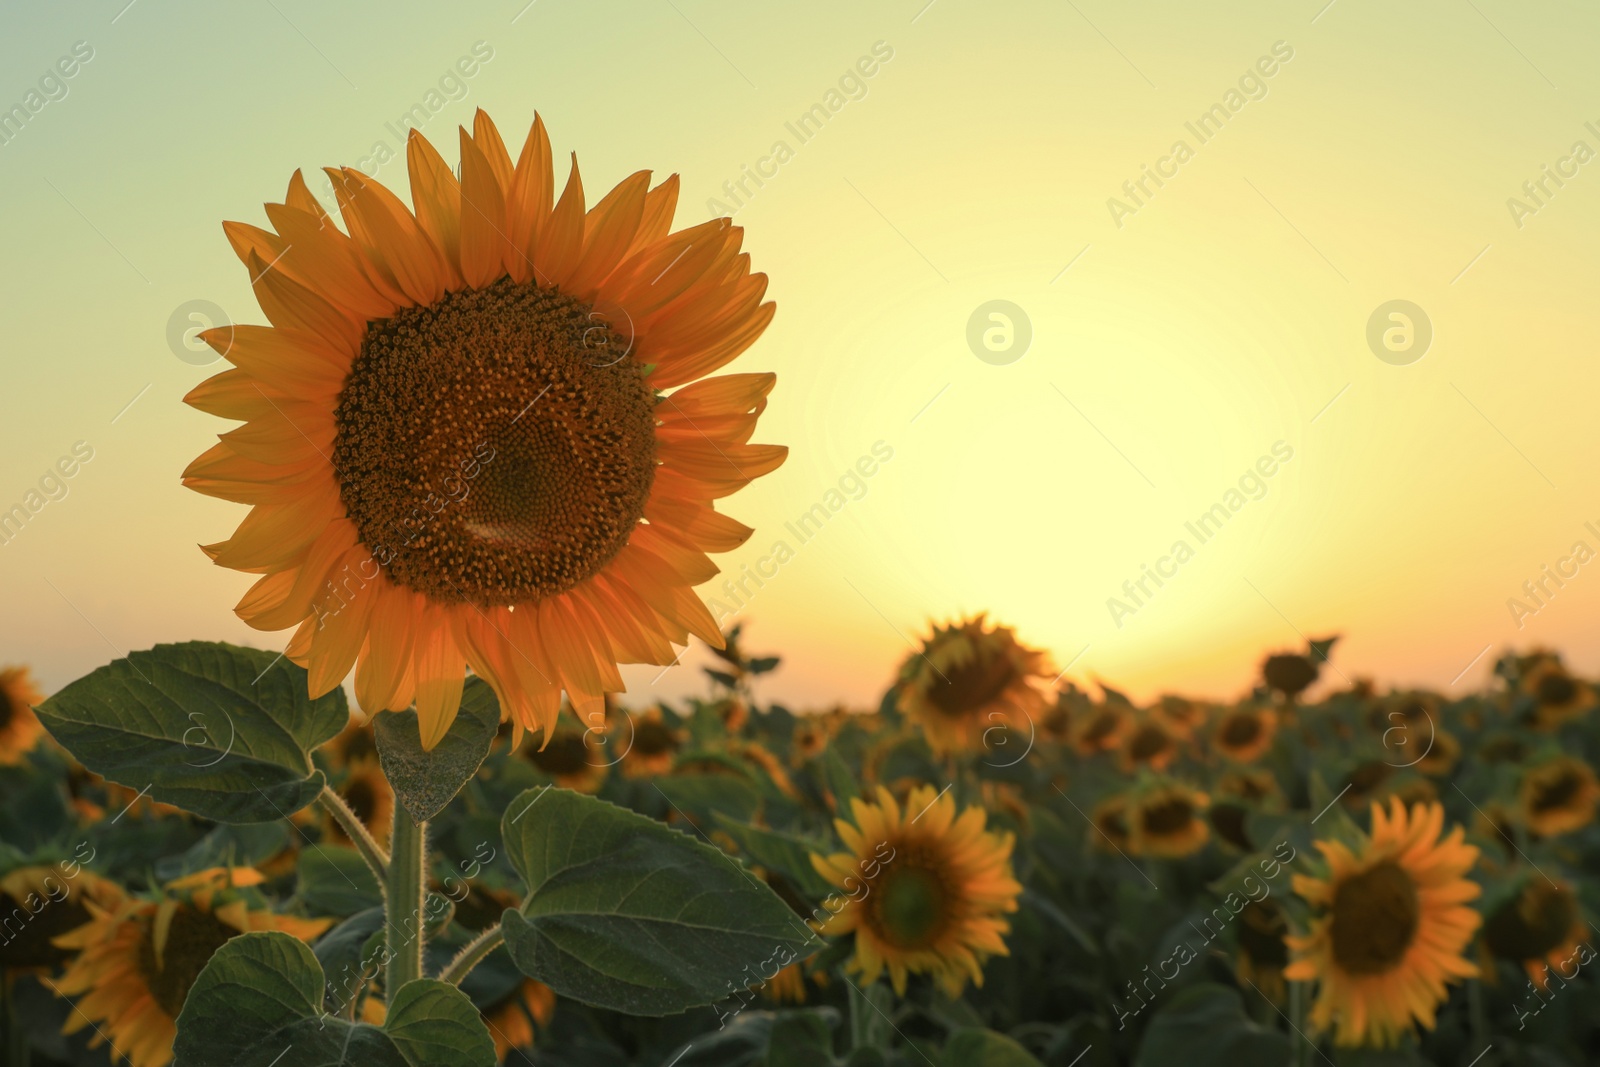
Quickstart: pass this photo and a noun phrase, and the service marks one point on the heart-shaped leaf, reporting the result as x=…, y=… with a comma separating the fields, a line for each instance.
x=222, y=731
x=259, y=1002
x=424, y=781
x=625, y=913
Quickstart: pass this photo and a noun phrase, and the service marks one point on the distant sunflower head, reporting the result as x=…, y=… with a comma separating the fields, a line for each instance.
x=1558, y=696
x=810, y=738
x=925, y=890
x=1538, y=929
x=1289, y=673
x=1110, y=821
x=1390, y=923
x=968, y=679
x=513, y=1018
x=352, y=744
x=1263, y=952
x=1183, y=715
x=367, y=792
x=20, y=729
x=40, y=903
x=1558, y=795
x=457, y=439
x=136, y=961
x=1152, y=743
x=1441, y=755
x=1244, y=734
x=654, y=747
x=1169, y=821
x=572, y=758
x=1103, y=728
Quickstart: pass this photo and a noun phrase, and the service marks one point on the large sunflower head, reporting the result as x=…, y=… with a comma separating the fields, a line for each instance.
x=456, y=438
x=969, y=678
x=926, y=889
x=20, y=729
x=1169, y=821
x=1539, y=928
x=1559, y=795
x=1390, y=927
x=1244, y=734
x=137, y=960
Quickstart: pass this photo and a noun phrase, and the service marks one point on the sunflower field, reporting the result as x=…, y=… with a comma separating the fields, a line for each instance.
x=483, y=446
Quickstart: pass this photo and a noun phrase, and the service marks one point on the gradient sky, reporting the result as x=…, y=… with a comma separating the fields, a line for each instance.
x=1168, y=353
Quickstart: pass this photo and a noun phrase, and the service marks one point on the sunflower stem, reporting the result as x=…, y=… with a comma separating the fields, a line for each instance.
x=356, y=831
x=18, y=1050
x=403, y=900
x=473, y=954
x=1297, y=1022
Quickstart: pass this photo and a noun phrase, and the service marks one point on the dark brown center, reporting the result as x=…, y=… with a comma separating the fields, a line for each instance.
x=1262, y=925
x=652, y=738
x=495, y=447
x=1289, y=674
x=565, y=754
x=1148, y=742
x=1537, y=922
x=971, y=685
x=1375, y=917
x=1555, y=790
x=191, y=939
x=1240, y=730
x=1556, y=689
x=1168, y=816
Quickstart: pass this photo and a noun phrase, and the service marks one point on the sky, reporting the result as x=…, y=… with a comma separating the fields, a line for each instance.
x=1066, y=277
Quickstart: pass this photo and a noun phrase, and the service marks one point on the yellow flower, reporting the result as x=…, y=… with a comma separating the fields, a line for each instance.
x=968, y=679
x=1540, y=929
x=811, y=734
x=455, y=441
x=1391, y=925
x=137, y=960
x=40, y=903
x=1559, y=795
x=925, y=891
x=1263, y=952
x=511, y=1020
x=1244, y=734
x=1558, y=697
x=654, y=746
x=1152, y=744
x=20, y=729
x=570, y=759
x=1102, y=729
x=369, y=796
x=1168, y=821
x=1110, y=820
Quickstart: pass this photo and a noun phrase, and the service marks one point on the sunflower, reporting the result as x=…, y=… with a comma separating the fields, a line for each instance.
x=1103, y=729
x=355, y=742
x=1244, y=734
x=370, y=798
x=1185, y=716
x=970, y=678
x=511, y=1019
x=1539, y=929
x=927, y=892
x=20, y=729
x=1168, y=821
x=1409, y=712
x=137, y=960
x=456, y=441
x=1152, y=744
x=1559, y=795
x=809, y=739
x=654, y=747
x=40, y=903
x=733, y=713
x=1392, y=926
x=1558, y=697
x=1441, y=756
x=1289, y=674
x=1110, y=821
x=570, y=760
x=787, y=986
x=1263, y=952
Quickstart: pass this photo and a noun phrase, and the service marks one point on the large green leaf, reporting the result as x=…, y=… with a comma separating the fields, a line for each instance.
x=1205, y=1026
x=259, y=1003
x=786, y=853
x=624, y=913
x=425, y=781
x=222, y=731
x=334, y=880
x=973, y=1047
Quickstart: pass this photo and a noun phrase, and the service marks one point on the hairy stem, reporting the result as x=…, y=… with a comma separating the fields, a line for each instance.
x=356, y=831
x=473, y=954
x=403, y=899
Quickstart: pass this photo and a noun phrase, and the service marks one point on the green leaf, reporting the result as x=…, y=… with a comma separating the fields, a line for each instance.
x=432, y=1022
x=244, y=845
x=222, y=731
x=985, y=1048
x=702, y=796
x=425, y=781
x=335, y=880
x=624, y=913
x=258, y=1002
x=1205, y=1026
x=346, y=958
x=840, y=780
x=785, y=853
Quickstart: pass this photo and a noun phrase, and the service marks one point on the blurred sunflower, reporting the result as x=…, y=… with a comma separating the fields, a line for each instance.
x=1558, y=795
x=1254, y=785
x=1185, y=716
x=1289, y=674
x=1168, y=821
x=654, y=747
x=1392, y=927
x=1151, y=744
x=367, y=792
x=938, y=887
x=1263, y=952
x=39, y=904
x=455, y=441
x=1558, y=697
x=20, y=729
x=788, y=986
x=1441, y=756
x=970, y=678
x=355, y=742
x=1103, y=729
x=511, y=1020
x=1110, y=821
x=1244, y=734
x=136, y=961
x=568, y=758
x=810, y=738
x=1538, y=929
